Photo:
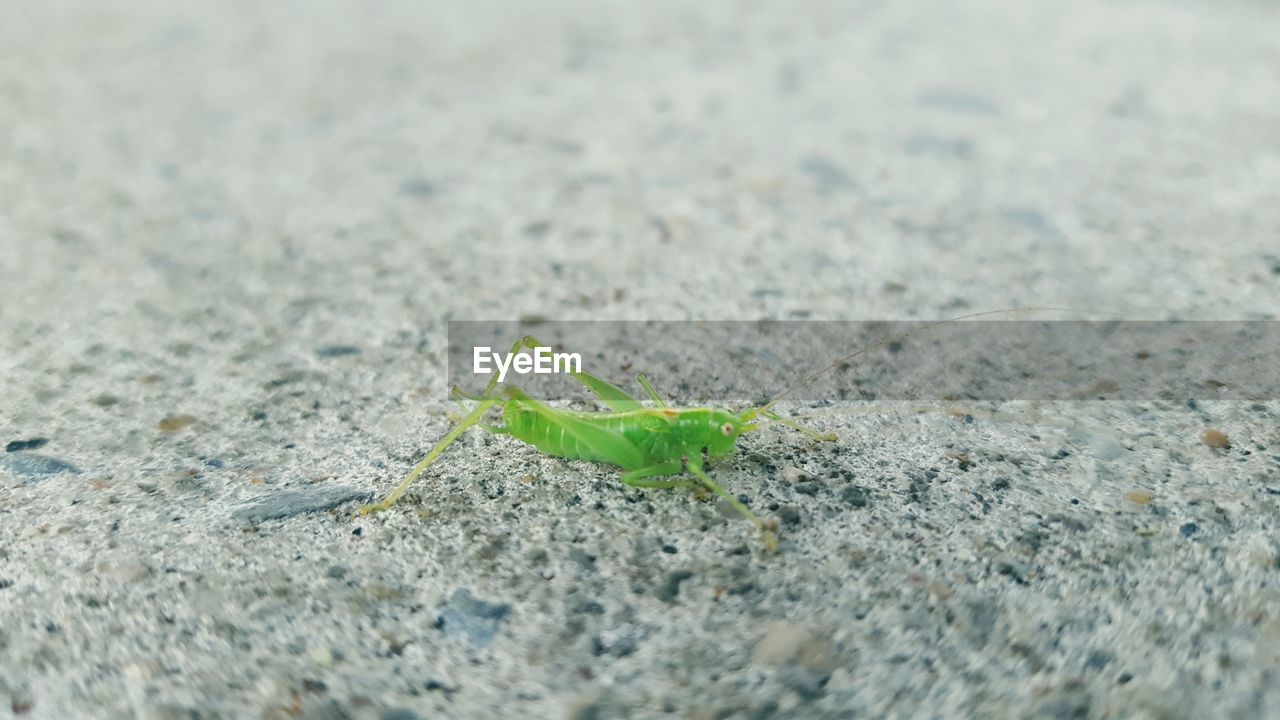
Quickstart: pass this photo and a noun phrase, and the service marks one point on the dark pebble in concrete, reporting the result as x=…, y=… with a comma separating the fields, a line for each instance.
x=670, y=588
x=434, y=685
x=803, y=681
x=1068, y=704
x=855, y=496
x=585, y=561
x=980, y=617
x=34, y=466
x=789, y=515
x=32, y=444
x=471, y=617
x=1188, y=530
x=1098, y=659
x=1015, y=569
x=827, y=175
x=287, y=503
x=417, y=187
x=589, y=607
x=623, y=647
x=332, y=351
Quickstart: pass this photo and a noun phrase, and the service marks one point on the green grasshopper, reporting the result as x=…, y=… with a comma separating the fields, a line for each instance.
x=652, y=445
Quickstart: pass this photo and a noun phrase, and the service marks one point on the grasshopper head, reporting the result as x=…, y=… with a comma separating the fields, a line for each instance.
x=725, y=429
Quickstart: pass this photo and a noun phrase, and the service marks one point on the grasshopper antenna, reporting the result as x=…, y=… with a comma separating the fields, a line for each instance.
x=764, y=410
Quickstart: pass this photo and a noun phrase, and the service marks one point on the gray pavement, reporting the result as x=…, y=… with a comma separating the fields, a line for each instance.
x=231, y=235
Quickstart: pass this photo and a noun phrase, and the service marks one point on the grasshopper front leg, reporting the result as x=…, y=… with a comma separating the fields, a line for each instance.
x=484, y=402
x=768, y=530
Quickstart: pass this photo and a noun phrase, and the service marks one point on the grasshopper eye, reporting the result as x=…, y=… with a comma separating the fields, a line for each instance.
x=727, y=429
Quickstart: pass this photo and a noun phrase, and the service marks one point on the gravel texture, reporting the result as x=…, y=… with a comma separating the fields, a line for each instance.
x=231, y=235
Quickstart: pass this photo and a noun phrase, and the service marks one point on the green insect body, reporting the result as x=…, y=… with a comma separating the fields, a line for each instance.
x=657, y=434
x=655, y=446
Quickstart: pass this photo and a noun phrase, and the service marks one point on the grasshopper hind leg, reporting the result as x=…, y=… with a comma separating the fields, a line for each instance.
x=473, y=418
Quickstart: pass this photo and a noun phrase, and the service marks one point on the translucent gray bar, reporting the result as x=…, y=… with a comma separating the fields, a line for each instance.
x=721, y=362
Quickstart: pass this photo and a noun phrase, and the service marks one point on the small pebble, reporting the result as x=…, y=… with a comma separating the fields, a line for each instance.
x=1105, y=447
x=322, y=656
x=939, y=590
x=174, y=423
x=287, y=503
x=808, y=488
x=1098, y=659
x=780, y=643
x=854, y=496
x=125, y=572
x=827, y=176
x=417, y=187
x=585, y=561
x=789, y=515
x=793, y=474
x=670, y=588
x=1139, y=497
x=32, y=444
x=805, y=682
x=471, y=617
x=34, y=466
x=1215, y=439
x=785, y=643
x=333, y=351
x=1262, y=553
x=400, y=713
x=1014, y=568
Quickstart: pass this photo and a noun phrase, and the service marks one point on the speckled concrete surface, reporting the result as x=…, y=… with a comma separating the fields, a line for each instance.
x=231, y=235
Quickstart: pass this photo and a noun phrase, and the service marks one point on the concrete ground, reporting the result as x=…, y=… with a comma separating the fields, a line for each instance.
x=231, y=235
